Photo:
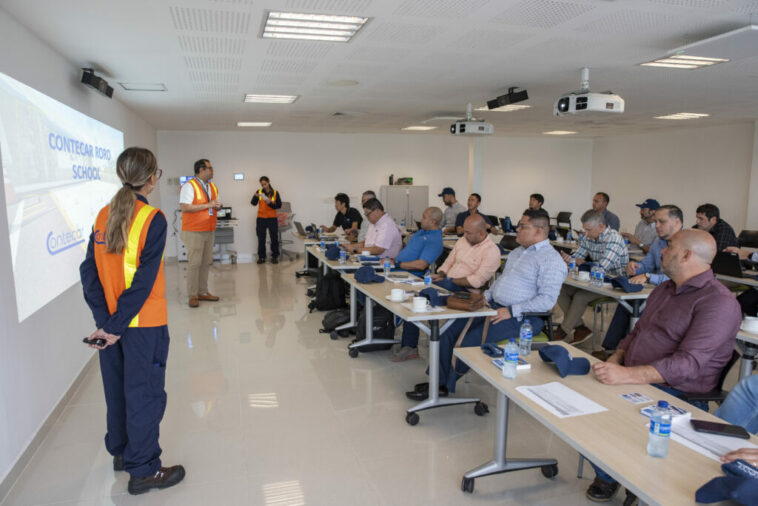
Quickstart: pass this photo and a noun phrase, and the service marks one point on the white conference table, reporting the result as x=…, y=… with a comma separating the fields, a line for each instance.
x=747, y=342
x=615, y=439
x=379, y=293
x=307, y=242
x=748, y=281
x=634, y=302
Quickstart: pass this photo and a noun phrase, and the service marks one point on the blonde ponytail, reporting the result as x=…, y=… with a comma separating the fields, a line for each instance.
x=135, y=167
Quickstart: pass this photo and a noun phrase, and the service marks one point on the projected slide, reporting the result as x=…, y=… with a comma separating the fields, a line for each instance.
x=59, y=169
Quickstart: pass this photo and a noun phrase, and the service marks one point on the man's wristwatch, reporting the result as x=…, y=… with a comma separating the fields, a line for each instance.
x=641, y=245
x=647, y=276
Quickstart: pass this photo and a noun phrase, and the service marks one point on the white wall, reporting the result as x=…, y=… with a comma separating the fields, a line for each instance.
x=40, y=357
x=685, y=167
x=309, y=169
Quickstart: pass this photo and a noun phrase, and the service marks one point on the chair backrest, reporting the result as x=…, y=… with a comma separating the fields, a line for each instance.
x=722, y=377
x=286, y=207
x=564, y=217
x=748, y=238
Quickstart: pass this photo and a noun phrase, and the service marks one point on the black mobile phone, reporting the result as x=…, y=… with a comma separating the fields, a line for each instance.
x=97, y=341
x=721, y=429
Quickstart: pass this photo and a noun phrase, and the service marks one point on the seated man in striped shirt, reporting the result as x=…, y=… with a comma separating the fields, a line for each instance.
x=606, y=248
x=531, y=282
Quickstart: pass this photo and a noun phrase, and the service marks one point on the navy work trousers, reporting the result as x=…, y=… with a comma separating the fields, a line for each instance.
x=134, y=374
x=270, y=224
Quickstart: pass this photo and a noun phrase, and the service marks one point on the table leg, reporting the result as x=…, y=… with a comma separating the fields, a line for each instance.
x=353, y=311
x=353, y=348
x=499, y=463
x=749, y=354
x=434, y=400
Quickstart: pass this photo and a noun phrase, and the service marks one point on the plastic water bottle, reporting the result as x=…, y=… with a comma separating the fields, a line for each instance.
x=387, y=267
x=343, y=256
x=323, y=244
x=593, y=275
x=600, y=276
x=569, y=237
x=525, y=339
x=508, y=227
x=510, y=359
x=660, y=431
x=402, y=223
x=573, y=269
x=427, y=278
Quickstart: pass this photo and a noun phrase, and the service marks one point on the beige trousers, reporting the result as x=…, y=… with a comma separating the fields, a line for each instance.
x=200, y=257
x=573, y=302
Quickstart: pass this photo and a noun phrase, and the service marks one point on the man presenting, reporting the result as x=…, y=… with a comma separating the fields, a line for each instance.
x=198, y=201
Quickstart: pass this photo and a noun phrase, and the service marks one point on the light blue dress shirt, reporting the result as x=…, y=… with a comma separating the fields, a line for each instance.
x=652, y=262
x=531, y=281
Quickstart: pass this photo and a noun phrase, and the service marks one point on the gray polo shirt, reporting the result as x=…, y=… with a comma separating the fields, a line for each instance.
x=451, y=212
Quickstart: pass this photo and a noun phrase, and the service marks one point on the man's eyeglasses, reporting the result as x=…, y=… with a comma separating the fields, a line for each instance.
x=367, y=214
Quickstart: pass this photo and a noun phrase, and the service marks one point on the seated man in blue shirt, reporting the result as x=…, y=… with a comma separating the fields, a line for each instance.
x=423, y=249
x=668, y=221
x=531, y=282
x=474, y=200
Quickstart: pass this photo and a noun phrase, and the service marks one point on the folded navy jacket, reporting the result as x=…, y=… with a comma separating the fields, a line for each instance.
x=563, y=361
x=739, y=483
x=366, y=274
x=435, y=298
x=626, y=285
x=586, y=266
x=366, y=258
x=332, y=252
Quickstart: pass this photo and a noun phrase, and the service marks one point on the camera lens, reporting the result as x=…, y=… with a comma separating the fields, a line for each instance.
x=563, y=104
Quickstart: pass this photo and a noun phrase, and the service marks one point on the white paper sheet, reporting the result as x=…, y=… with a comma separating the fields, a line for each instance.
x=560, y=400
x=710, y=445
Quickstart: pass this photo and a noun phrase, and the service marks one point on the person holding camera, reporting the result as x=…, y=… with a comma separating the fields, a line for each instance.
x=268, y=201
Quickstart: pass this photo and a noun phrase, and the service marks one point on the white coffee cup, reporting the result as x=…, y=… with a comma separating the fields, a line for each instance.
x=397, y=294
x=419, y=303
x=750, y=324
x=366, y=253
x=583, y=276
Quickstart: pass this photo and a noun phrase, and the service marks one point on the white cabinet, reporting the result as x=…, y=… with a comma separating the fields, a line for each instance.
x=405, y=203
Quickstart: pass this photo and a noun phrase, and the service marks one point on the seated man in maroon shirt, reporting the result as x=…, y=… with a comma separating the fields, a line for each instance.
x=685, y=337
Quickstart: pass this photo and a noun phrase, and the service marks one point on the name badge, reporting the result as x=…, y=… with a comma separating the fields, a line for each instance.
x=210, y=211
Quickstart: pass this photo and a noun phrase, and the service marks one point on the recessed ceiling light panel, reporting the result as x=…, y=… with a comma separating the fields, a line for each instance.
x=684, y=61
x=143, y=86
x=270, y=99
x=683, y=115
x=301, y=26
x=418, y=128
x=260, y=124
x=559, y=132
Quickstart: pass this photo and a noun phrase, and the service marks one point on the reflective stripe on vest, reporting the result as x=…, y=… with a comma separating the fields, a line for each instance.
x=200, y=221
x=264, y=210
x=132, y=250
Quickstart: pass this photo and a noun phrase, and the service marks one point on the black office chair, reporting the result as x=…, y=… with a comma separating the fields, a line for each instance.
x=718, y=394
x=748, y=238
x=563, y=222
x=493, y=219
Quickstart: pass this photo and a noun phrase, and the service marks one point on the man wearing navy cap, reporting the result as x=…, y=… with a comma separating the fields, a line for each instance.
x=453, y=209
x=644, y=232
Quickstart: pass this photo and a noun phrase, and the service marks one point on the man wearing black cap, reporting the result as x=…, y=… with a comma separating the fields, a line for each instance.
x=644, y=232
x=453, y=209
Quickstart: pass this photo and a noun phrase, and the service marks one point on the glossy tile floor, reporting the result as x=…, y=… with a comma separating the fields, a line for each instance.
x=264, y=410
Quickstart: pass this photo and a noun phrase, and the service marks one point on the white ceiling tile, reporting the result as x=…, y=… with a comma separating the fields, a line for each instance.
x=197, y=76
x=697, y=4
x=402, y=33
x=212, y=45
x=439, y=8
x=288, y=66
x=210, y=20
x=331, y=6
x=215, y=63
x=280, y=79
x=632, y=23
x=378, y=54
x=297, y=49
x=542, y=13
x=485, y=41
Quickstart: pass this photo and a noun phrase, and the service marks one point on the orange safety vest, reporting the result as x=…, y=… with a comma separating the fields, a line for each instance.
x=264, y=210
x=116, y=271
x=200, y=221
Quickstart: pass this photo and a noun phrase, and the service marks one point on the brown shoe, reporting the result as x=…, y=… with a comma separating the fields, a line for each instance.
x=559, y=334
x=163, y=478
x=193, y=302
x=581, y=334
x=601, y=355
x=207, y=296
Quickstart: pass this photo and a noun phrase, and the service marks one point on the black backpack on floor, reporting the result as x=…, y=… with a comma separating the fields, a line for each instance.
x=384, y=328
x=330, y=293
x=334, y=319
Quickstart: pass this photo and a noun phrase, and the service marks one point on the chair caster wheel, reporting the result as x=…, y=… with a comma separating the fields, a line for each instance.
x=333, y=335
x=411, y=419
x=550, y=471
x=481, y=408
x=353, y=352
x=467, y=485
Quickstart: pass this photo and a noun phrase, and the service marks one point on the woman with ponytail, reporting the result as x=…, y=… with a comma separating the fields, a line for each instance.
x=122, y=278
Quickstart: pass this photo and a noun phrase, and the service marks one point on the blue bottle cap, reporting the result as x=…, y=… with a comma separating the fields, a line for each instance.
x=663, y=404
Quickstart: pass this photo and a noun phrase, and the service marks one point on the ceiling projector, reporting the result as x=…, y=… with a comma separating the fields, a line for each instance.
x=584, y=100
x=471, y=126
